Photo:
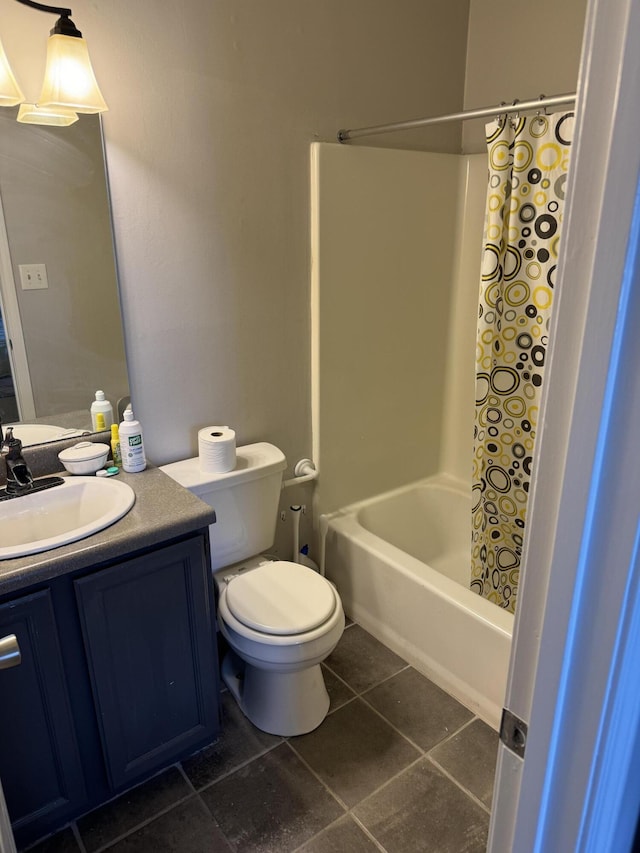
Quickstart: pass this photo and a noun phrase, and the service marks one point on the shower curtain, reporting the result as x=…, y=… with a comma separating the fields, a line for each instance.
x=528, y=162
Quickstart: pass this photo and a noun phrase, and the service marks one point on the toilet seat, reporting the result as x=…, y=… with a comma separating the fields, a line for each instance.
x=280, y=599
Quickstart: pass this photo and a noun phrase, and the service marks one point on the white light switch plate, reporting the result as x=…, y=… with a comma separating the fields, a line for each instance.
x=33, y=276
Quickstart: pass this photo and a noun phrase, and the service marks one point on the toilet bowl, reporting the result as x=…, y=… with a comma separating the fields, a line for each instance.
x=279, y=619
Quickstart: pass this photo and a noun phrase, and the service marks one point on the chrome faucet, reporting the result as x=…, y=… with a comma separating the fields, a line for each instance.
x=19, y=477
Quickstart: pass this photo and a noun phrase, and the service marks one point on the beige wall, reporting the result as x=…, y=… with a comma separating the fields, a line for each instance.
x=519, y=49
x=383, y=256
x=213, y=106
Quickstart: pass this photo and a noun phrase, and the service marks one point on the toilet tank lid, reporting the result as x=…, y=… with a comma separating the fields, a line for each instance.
x=252, y=462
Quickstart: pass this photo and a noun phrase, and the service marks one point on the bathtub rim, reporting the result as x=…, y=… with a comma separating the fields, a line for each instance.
x=346, y=521
x=484, y=698
x=442, y=479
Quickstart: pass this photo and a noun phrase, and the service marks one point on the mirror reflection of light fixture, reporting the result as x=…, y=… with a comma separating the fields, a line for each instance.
x=10, y=92
x=69, y=85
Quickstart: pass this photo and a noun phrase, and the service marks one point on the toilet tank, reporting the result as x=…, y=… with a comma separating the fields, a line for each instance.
x=245, y=500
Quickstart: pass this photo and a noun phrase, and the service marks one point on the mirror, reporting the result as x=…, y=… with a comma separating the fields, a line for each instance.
x=60, y=324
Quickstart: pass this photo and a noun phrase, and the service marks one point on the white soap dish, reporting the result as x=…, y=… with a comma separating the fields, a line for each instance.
x=87, y=457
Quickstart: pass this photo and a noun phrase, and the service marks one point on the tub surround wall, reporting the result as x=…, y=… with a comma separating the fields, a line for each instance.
x=383, y=256
x=456, y=445
x=397, y=240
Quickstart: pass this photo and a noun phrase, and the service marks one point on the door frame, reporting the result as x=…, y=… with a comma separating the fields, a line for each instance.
x=578, y=621
x=13, y=328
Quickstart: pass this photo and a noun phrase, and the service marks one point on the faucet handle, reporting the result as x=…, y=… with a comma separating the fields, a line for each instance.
x=8, y=440
x=19, y=477
x=11, y=446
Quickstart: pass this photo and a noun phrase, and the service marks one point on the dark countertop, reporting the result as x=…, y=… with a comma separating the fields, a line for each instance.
x=163, y=510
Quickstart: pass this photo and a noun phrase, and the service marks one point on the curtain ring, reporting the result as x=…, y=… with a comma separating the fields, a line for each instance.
x=501, y=117
x=542, y=112
x=516, y=115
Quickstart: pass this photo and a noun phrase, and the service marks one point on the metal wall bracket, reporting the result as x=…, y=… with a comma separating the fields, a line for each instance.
x=513, y=732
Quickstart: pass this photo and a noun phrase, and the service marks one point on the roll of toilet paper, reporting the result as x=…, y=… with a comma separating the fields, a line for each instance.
x=217, y=449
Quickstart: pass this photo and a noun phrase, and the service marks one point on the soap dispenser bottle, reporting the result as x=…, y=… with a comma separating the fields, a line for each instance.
x=115, y=446
x=101, y=406
x=131, y=443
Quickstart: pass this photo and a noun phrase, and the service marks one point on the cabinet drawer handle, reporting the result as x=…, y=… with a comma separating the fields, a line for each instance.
x=9, y=652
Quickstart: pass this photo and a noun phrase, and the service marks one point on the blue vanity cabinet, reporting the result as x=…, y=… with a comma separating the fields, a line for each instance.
x=40, y=762
x=147, y=630
x=118, y=679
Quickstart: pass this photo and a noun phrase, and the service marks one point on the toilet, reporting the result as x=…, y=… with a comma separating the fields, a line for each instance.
x=280, y=619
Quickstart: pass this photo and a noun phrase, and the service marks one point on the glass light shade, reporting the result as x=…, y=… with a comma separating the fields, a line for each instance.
x=10, y=93
x=56, y=116
x=69, y=80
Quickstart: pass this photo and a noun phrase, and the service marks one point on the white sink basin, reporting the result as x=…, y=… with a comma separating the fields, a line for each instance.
x=73, y=510
x=39, y=433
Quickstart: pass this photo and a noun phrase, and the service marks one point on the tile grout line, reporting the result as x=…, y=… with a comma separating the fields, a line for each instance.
x=358, y=823
x=349, y=809
x=391, y=725
x=339, y=707
x=367, y=832
x=204, y=805
x=185, y=777
x=448, y=773
x=453, y=779
x=371, y=686
x=237, y=767
x=335, y=796
x=144, y=823
x=450, y=736
x=335, y=675
x=342, y=681
x=362, y=695
x=424, y=752
x=408, y=665
x=389, y=780
x=73, y=825
x=78, y=837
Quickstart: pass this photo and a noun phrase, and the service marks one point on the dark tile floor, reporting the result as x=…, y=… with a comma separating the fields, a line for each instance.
x=397, y=766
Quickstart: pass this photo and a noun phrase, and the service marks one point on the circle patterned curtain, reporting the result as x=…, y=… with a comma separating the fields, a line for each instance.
x=528, y=163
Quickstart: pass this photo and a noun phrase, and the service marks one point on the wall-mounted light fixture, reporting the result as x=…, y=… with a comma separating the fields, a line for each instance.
x=69, y=86
x=10, y=92
x=57, y=116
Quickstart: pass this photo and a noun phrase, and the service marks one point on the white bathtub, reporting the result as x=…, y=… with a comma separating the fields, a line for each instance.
x=401, y=564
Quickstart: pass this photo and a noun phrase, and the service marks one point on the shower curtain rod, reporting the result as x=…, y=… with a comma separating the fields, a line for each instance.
x=501, y=109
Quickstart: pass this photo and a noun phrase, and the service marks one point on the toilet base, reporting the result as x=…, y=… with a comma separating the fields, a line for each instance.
x=279, y=703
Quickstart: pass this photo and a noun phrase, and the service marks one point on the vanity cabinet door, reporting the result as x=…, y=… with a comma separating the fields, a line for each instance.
x=40, y=763
x=149, y=637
